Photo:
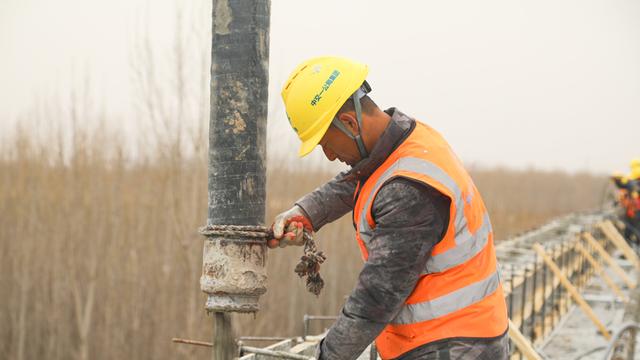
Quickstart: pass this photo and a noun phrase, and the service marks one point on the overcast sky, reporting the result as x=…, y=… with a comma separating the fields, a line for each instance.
x=548, y=84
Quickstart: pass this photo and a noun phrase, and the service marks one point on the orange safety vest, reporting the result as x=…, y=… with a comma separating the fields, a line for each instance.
x=627, y=203
x=459, y=293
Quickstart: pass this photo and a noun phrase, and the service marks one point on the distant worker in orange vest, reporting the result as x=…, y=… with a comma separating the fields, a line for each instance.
x=629, y=200
x=430, y=286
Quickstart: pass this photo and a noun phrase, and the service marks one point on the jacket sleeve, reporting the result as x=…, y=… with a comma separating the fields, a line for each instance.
x=329, y=202
x=410, y=219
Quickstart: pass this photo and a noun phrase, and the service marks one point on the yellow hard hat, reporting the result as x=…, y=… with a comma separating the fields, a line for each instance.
x=635, y=169
x=314, y=93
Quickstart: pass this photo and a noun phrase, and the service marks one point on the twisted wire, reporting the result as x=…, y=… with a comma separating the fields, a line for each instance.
x=246, y=231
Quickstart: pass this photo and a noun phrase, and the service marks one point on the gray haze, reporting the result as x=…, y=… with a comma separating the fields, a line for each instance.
x=547, y=84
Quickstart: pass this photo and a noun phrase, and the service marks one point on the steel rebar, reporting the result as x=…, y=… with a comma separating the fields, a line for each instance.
x=192, y=342
x=307, y=318
x=275, y=353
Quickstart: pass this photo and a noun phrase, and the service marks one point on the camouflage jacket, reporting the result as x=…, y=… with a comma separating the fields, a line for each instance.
x=410, y=219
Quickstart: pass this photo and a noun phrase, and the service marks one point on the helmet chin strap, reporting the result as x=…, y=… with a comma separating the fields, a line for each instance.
x=357, y=138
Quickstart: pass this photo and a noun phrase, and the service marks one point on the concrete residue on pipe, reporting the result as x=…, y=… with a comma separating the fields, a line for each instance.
x=236, y=95
x=222, y=17
x=233, y=269
x=237, y=123
x=248, y=185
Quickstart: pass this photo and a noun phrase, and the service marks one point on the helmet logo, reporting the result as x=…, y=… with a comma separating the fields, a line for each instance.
x=325, y=87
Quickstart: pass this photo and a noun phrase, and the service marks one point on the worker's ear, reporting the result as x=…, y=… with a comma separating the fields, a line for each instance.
x=349, y=120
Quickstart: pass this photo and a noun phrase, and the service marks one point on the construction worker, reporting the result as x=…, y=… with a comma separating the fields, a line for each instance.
x=629, y=200
x=624, y=187
x=634, y=193
x=430, y=286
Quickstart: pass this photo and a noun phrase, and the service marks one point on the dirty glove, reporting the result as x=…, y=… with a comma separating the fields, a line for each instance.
x=289, y=228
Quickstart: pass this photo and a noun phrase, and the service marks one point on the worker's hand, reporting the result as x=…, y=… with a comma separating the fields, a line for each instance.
x=289, y=228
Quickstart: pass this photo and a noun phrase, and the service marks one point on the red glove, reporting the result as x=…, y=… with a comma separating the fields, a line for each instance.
x=289, y=228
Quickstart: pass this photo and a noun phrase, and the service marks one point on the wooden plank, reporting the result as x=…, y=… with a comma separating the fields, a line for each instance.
x=610, y=261
x=522, y=343
x=614, y=236
x=600, y=271
x=572, y=290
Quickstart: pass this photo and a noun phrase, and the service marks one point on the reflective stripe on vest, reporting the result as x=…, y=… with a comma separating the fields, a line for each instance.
x=456, y=300
x=467, y=245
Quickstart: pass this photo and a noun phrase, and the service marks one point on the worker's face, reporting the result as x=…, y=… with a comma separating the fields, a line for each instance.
x=337, y=145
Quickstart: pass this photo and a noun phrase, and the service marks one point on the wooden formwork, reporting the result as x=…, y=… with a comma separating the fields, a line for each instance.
x=578, y=248
x=535, y=298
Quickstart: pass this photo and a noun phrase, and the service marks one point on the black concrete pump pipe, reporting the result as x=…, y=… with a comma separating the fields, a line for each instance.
x=237, y=128
x=234, y=274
